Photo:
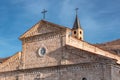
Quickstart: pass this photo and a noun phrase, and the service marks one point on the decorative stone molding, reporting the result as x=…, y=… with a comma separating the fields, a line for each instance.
x=42, y=37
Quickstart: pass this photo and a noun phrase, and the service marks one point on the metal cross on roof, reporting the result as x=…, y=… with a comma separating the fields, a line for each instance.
x=76, y=10
x=43, y=12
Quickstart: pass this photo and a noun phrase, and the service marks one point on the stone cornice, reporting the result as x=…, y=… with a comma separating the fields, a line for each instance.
x=43, y=37
x=59, y=68
x=90, y=48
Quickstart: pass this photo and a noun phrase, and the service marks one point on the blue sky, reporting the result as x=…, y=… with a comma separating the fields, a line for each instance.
x=100, y=19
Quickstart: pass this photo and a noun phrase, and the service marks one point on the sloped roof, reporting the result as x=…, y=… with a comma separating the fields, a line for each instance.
x=28, y=32
x=97, y=55
x=112, y=46
x=3, y=59
x=77, y=23
x=92, y=48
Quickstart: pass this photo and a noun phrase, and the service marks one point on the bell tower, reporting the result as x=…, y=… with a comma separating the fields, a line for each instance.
x=77, y=30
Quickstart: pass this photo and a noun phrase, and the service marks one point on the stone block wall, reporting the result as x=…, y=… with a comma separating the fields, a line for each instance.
x=94, y=71
x=115, y=72
x=11, y=64
x=52, y=42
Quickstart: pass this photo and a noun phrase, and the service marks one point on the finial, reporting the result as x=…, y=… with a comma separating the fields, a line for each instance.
x=43, y=12
x=76, y=9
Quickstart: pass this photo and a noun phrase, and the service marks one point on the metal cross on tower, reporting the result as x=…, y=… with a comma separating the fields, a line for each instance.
x=76, y=10
x=43, y=12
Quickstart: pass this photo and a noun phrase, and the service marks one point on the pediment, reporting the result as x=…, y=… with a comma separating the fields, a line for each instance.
x=42, y=27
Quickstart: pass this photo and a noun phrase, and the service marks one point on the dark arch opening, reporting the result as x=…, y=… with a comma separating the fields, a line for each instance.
x=84, y=78
x=74, y=32
x=80, y=32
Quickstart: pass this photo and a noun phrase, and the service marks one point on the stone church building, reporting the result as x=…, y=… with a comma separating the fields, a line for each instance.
x=54, y=52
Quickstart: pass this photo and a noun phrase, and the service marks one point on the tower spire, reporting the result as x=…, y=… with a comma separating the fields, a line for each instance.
x=77, y=21
x=77, y=31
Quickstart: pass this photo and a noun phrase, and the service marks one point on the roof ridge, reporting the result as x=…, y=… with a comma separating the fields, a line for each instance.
x=44, y=21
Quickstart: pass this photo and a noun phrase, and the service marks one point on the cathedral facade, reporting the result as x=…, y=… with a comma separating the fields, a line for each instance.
x=54, y=52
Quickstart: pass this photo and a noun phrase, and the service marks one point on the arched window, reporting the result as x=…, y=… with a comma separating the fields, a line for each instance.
x=80, y=32
x=74, y=32
x=84, y=78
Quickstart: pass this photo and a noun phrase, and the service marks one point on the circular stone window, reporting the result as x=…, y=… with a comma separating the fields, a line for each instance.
x=42, y=51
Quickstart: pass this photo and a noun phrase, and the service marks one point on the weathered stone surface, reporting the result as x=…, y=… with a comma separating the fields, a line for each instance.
x=64, y=58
